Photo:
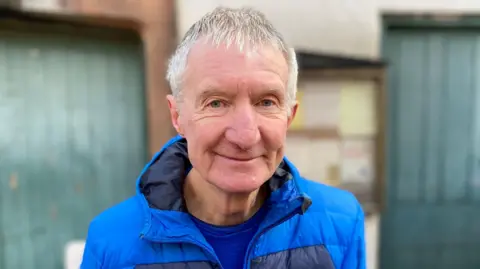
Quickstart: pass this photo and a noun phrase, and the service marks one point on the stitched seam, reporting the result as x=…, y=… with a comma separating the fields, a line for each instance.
x=290, y=249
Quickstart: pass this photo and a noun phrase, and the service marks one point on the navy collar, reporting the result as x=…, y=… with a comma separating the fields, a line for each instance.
x=160, y=189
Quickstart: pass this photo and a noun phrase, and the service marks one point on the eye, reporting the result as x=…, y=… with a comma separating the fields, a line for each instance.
x=215, y=104
x=267, y=102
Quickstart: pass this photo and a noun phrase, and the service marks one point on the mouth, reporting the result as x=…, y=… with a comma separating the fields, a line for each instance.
x=237, y=159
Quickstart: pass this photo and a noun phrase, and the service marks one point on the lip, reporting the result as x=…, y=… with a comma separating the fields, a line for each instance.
x=235, y=159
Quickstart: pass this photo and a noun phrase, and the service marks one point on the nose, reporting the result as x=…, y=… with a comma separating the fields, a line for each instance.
x=243, y=128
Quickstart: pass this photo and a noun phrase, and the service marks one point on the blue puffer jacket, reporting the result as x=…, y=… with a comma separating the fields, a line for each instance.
x=308, y=225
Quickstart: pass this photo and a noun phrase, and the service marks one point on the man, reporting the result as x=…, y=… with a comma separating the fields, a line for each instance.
x=221, y=194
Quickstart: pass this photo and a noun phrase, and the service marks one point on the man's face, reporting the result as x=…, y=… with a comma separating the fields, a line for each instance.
x=233, y=113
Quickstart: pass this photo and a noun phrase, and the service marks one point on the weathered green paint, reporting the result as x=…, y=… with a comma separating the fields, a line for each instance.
x=72, y=137
x=432, y=219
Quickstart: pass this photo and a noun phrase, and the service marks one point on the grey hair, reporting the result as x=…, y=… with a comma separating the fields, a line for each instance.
x=243, y=26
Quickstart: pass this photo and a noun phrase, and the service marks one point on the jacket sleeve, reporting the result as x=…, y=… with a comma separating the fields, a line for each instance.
x=89, y=260
x=91, y=256
x=355, y=253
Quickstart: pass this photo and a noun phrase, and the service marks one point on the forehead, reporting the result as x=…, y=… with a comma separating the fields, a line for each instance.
x=211, y=65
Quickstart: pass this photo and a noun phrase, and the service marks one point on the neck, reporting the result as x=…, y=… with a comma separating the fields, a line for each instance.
x=211, y=205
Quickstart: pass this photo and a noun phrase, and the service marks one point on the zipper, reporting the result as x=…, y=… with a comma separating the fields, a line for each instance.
x=247, y=263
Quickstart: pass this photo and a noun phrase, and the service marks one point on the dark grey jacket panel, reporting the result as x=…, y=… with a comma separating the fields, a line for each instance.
x=313, y=257
x=180, y=265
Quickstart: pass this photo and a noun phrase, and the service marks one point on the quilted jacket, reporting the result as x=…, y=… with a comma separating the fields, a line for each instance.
x=308, y=225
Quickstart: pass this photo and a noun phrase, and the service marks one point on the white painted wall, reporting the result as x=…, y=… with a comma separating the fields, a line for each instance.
x=350, y=27
x=73, y=254
x=308, y=24
x=372, y=238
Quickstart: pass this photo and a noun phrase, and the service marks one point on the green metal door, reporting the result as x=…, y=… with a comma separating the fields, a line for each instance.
x=432, y=219
x=72, y=136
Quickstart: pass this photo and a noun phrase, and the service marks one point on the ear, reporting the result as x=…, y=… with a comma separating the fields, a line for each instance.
x=174, y=116
x=293, y=113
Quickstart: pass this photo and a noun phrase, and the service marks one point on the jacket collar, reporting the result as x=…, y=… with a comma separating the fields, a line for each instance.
x=160, y=189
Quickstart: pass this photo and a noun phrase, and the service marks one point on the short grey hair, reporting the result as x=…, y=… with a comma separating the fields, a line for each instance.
x=242, y=26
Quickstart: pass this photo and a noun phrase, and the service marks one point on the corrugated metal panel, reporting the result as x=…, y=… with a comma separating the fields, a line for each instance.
x=433, y=218
x=72, y=139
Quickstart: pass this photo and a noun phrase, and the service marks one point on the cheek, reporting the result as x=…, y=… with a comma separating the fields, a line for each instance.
x=273, y=134
x=201, y=137
x=204, y=131
x=198, y=153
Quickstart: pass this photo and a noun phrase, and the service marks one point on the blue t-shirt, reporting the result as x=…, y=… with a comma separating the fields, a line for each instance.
x=230, y=243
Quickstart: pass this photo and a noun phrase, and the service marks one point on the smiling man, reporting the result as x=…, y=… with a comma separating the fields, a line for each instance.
x=221, y=194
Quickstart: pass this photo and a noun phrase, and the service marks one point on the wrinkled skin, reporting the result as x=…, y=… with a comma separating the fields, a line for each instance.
x=233, y=113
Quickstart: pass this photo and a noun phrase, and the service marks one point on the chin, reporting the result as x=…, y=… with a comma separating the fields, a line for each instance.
x=238, y=183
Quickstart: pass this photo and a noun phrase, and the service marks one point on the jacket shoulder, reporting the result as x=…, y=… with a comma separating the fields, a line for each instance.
x=337, y=212
x=112, y=230
x=124, y=216
x=330, y=199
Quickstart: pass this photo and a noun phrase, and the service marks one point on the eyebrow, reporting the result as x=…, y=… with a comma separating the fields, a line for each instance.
x=210, y=91
x=213, y=90
x=272, y=91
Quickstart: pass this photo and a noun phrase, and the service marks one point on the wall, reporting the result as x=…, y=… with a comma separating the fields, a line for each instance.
x=351, y=27
x=325, y=25
x=372, y=239
x=155, y=22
